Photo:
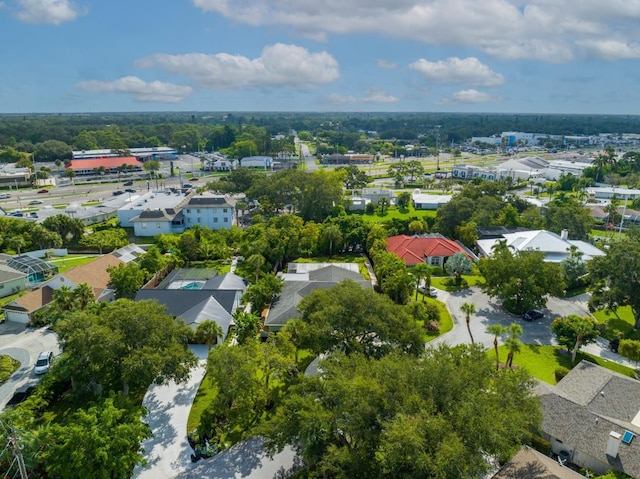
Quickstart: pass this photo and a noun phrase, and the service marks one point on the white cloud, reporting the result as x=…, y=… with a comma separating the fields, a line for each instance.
x=386, y=64
x=470, y=96
x=547, y=30
x=51, y=12
x=468, y=71
x=374, y=95
x=612, y=49
x=279, y=65
x=142, y=91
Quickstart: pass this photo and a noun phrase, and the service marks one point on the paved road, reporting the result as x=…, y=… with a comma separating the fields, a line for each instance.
x=23, y=344
x=168, y=452
x=489, y=311
x=309, y=160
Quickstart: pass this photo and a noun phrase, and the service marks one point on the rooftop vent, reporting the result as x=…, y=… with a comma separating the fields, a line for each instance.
x=613, y=444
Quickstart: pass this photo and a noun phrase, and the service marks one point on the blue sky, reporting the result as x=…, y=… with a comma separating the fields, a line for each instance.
x=528, y=56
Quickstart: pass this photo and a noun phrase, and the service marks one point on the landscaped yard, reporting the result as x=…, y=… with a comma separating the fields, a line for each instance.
x=8, y=366
x=618, y=321
x=340, y=258
x=542, y=361
x=446, y=323
x=65, y=263
x=393, y=212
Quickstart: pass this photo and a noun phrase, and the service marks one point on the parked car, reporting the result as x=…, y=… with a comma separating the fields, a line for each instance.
x=4, y=196
x=532, y=315
x=129, y=183
x=43, y=363
x=130, y=190
x=187, y=185
x=433, y=292
x=118, y=193
x=34, y=202
x=43, y=191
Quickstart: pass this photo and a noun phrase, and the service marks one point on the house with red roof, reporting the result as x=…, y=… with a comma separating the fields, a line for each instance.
x=110, y=164
x=433, y=249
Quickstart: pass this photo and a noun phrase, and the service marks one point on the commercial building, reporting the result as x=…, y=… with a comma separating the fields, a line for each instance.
x=152, y=153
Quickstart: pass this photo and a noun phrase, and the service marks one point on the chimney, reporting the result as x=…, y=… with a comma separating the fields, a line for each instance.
x=564, y=234
x=613, y=444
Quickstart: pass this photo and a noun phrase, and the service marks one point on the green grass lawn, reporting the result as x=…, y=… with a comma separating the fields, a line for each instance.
x=542, y=361
x=204, y=397
x=65, y=263
x=619, y=321
x=393, y=212
x=8, y=366
x=440, y=282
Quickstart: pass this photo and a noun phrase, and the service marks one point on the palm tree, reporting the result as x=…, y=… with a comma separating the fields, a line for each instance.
x=256, y=262
x=512, y=342
x=419, y=272
x=63, y=298
x=496, y=330
x=209, y=331
x=332, y=235
x=468, y=309
x=83, y=295
x=383, y=203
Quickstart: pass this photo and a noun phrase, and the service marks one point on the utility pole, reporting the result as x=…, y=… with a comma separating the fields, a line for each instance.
x=16, y=449
x=437, y=147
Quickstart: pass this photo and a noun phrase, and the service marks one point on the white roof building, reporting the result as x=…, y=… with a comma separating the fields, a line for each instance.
x=556, y=248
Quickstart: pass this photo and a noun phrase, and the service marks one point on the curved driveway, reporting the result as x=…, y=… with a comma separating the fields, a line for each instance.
x=489, y=311
x=23, y=344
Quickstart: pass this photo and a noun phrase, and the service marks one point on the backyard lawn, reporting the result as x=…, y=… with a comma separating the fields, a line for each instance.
x=65, y=263
x=542, y=361
x=620, y=320
x=394, y=212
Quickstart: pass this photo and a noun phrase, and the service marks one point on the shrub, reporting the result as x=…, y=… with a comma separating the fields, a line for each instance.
x=539, y=443
x=560, y=372
x=432, y=326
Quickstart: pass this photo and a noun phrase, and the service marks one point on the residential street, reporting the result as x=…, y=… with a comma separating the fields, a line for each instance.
x=23, y=344
x=489, y=311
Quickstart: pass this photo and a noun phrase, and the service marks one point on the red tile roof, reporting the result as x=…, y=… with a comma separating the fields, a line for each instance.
x=106, y=162
x=413, y=250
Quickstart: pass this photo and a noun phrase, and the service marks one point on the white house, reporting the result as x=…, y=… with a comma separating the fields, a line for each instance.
x=422, y=201
x=154, y=200
x=214, y=212
x=555, y=247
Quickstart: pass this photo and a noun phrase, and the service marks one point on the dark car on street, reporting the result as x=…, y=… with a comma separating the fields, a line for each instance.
x=129, y=183
x=130, y=190
x=532, y=315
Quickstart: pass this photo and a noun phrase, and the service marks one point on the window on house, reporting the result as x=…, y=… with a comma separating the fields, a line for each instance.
x=144, y=225
x=158, y=225
x=435, y=261
x=198, y=220
x=226, y=220
x=198, y=210
x=188, y=210
x=188, y=220
x=215, y=220
x=224, y=210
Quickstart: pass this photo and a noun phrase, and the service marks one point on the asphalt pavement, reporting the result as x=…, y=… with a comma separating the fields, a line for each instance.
x=23, y=344
x=489, y=311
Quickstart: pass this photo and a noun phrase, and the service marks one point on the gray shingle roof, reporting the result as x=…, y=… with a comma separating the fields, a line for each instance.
x=208, y=310
x=589, y=403
x=227, y=281
x=178, y=301
x=530, y=464
x=7, y=273
x=216, y=201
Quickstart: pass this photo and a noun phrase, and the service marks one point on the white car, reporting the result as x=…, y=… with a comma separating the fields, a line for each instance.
x=43, y=362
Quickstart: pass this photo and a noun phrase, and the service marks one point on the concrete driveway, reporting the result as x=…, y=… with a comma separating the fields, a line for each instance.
x=168, y=452
x=23, y=344
x=489, y=311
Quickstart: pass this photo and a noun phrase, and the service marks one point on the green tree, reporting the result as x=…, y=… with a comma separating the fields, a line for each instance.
x=614, y=278
x=420, y=272
x=512, y=335
x=404, y=200
x=262, y=292
x=468, y=309
x=209, y=332
x=354, y=177
x=574, y=331
x=124, y=346
x=437, y=416
x=457, y=265
x=52, y=150
x=69, y=229
x=331, y=234
x=126, y=279
x=521, y=280
x=630, y=349
x=496, y=330
x=102, y=442
x=256, y=262
x=105, y=240
x=353, y=320
x=383, y=203
x=247, y=326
